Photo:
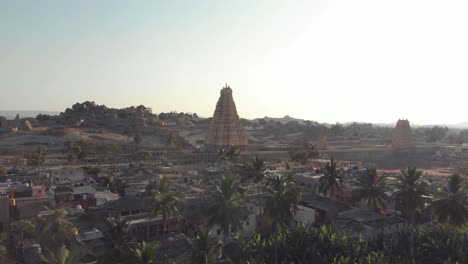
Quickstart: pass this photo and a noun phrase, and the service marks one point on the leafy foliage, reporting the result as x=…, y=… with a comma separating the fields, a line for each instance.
x=3, y=249
x=307, y=244
x=37, y=158
x=147, y=253
x=331, y=181
x=227, y=207
x=206, y=250
x=63, y=256
x=256, y=173
x=429, y=244
x=163, y=201
x=411, y=189
x=56, y=232
x=372, y=190
x=281, y=198
x=301, y=153
x=121, y=248
x=451, y=206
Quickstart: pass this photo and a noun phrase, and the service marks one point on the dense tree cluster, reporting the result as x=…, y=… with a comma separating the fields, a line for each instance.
x=83, y=149
x=303, y=152
x=299, y=243
x=436, y=133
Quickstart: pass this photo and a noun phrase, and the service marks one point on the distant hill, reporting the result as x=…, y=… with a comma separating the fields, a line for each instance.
x=10, y=114
x=459, y=125
x=282, y=120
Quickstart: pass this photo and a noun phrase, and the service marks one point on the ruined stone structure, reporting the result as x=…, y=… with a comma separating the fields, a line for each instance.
x=402, y=135
x=225, y=129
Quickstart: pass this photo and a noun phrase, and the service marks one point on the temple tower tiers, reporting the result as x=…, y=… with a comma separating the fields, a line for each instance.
x=402, y=135
x=225, y=128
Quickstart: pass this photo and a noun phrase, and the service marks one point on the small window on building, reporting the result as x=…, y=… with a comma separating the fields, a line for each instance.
x=218, y=232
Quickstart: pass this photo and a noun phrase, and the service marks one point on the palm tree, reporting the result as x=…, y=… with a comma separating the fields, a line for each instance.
x=331, y=181
x=281, y=198
x=3, y=249
x=257, y=174
x=222, y=155
x=22, y=228
x=77, y=151
x=452, y=203
x=37, y=158
x=137, y=139
x=122, y=245
x=57, y=232
x=205, y=249
x=129, y=132
x=227, y=208
x=147, y=253
x=228, y=154
x=336, y=129
x=171, y=140
x=313, y=152
x=163, y=202
x=63, y=256
x=411, y=189
x=233, y=153
x=373, y=190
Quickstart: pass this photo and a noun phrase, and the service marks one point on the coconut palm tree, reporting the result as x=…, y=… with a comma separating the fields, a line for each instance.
x=57, y=231
x=163, y=202
x=411, y=189
x=122, y=246
x=331, y=181
x=373, y=190
x=227, y=208
x=281, y=198
x=137, y=139
x=451, y=205
x=256, y=173
x=63, y=256
x=171, y=140
x=233, y=153
x=313, y=152
x=37, y=158
x=205, y=249
x=22, y=229
x=228, y=154
x=147, y=253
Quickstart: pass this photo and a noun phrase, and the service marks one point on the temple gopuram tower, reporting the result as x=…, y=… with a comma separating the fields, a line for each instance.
x=225, y=128
x=402, y=135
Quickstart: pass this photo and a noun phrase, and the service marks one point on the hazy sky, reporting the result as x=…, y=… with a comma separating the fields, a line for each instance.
x=330, y=61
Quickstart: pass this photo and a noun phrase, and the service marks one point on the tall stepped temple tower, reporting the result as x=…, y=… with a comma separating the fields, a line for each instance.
x=225, y=128
x=402, y=135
